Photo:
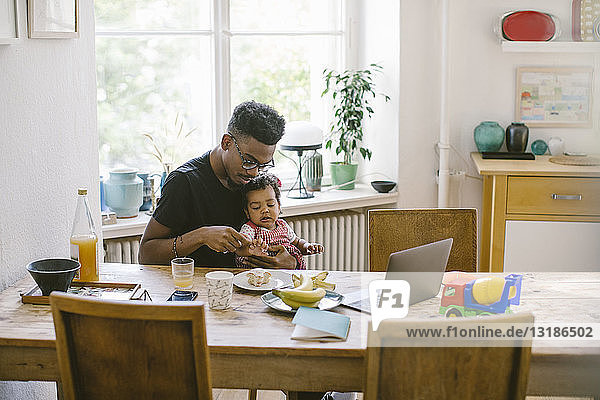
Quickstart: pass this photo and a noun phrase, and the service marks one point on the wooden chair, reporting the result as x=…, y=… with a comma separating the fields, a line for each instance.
x=395, y=230
x=396, y=371
x=130, y=350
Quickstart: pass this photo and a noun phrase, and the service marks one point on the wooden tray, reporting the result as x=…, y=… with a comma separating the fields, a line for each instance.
x=103, y=290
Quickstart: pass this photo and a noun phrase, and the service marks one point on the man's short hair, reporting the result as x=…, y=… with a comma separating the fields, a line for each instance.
x=258, y=120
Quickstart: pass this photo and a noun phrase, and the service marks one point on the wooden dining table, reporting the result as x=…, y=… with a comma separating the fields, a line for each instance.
x=250, y=344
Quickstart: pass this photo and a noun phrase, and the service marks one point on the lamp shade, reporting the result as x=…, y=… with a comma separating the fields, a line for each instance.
x=301, y=135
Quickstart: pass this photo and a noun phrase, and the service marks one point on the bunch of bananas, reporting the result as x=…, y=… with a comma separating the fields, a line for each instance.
x=302, y=294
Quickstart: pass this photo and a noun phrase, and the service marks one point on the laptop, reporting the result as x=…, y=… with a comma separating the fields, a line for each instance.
x=422, y=267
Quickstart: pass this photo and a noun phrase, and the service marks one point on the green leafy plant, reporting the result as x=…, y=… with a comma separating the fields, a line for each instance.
x=351, y=91
x=167, y=141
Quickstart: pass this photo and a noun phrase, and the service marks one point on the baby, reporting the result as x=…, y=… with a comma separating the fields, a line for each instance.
x=265, y=228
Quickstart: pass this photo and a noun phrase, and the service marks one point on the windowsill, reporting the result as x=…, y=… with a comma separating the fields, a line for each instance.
x=328, y=200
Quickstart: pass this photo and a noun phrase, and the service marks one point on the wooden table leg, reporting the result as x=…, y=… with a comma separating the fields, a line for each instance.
x=498, y=221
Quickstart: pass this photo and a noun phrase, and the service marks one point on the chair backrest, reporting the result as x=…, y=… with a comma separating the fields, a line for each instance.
x=125, y=350
x=397, y=371
x=395, y=230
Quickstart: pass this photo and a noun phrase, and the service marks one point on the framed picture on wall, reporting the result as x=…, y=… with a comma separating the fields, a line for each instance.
x=554, y=96
x=9, y=22
x=53, y=18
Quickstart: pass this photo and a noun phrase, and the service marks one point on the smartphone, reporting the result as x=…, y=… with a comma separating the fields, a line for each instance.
x=183, y=295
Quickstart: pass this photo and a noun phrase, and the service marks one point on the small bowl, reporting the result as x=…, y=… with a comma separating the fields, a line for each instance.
x=53, y=273
x=383, y=186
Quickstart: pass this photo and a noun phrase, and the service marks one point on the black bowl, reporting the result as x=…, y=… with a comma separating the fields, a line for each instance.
x=53, y=273
x=383, y=186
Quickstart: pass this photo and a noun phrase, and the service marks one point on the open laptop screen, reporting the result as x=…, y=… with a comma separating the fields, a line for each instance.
x=422, y=267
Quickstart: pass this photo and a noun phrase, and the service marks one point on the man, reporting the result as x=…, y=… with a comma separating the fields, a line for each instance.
x=200, y=210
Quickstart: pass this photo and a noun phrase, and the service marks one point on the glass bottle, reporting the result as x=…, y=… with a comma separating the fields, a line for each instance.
x=84, y=241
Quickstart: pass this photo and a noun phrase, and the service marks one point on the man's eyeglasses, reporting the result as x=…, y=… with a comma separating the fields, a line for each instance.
x=249, y=164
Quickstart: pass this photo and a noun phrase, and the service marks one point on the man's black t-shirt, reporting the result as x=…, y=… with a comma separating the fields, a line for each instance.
x=193, y=196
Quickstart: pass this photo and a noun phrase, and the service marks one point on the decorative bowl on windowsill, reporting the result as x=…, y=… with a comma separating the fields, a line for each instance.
x=383, y=186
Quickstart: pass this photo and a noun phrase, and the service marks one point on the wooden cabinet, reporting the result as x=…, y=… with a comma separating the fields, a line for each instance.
x=532, y=190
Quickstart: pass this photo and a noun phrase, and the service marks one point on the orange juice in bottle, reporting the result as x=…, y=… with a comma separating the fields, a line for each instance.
x=84, y=242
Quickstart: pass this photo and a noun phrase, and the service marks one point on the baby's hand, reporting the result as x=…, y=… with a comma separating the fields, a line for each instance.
x=258, y=247
x=314, y=248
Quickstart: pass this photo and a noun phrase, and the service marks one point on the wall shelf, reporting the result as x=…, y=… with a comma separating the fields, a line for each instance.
x=550, y=47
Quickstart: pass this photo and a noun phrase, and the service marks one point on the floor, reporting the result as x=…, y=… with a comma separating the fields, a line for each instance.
x=229, y=394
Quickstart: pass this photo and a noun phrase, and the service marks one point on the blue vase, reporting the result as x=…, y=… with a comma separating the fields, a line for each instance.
x=124, y=192
x=103, y=206
x=148, y=184
x=488, y=136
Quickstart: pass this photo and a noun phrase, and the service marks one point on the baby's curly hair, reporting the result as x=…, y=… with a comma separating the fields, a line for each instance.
x=261, y=181
x=258, y=120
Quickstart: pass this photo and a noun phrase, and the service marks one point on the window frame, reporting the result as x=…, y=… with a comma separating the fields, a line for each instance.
x=221, y=34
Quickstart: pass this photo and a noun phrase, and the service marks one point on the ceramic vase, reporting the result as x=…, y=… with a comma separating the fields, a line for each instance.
x=147, y=187
x=488, y=136
x=313, y=172
x=124, y=192
x=539, y=147
x=556, y=146
x=517, y=135
x=103, y=206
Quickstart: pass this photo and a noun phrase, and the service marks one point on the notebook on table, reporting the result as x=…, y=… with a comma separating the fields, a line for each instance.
x=422, y=267
x=319, y=325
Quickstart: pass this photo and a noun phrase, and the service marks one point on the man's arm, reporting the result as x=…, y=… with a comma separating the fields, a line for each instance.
x=156, y=246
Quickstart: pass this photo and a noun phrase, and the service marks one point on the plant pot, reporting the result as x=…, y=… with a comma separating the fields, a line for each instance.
x=488, y=136
x=342, y=173
x=517, y=135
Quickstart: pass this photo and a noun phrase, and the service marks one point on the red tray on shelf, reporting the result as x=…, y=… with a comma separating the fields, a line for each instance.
x=529, y=25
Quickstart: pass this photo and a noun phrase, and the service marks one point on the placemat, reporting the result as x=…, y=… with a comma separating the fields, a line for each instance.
x=575, y=160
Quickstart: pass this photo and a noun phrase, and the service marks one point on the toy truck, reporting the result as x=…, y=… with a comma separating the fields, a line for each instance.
x=465, y=296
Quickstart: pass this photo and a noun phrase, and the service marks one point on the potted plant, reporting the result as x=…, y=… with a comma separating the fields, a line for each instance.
x=351, y=92
x=167, y=142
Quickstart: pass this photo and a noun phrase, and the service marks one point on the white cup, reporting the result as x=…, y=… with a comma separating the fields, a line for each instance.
x=220, y=289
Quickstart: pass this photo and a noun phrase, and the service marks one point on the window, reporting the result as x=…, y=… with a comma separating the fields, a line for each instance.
x=194, y=60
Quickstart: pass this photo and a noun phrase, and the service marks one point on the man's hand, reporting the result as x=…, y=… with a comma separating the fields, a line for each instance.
x=282, y=259
x=223, y=238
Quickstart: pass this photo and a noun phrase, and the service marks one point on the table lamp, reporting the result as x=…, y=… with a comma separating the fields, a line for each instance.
x=301, y=136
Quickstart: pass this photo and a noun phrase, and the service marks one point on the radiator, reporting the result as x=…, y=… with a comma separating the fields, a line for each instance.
x=124, y=250
x=342, y=234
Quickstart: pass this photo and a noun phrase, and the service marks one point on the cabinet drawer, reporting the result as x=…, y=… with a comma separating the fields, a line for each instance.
x=556, y=196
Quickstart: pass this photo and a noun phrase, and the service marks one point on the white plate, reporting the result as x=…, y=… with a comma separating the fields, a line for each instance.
x=278, y=279
x=331, y=300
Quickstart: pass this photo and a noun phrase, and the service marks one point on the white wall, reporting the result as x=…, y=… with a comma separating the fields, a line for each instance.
x=378, y=43
x=48, y=148
x=481, y=87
